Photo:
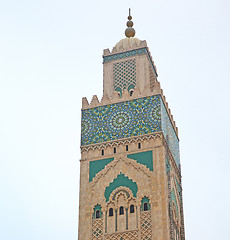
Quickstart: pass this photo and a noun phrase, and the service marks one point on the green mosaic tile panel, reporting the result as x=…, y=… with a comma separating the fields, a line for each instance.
x=121, y=180
x=96, y=166
x=127, y=119
x=121, y=120
x=145, y=158
x=124, y=75
x=170, y=134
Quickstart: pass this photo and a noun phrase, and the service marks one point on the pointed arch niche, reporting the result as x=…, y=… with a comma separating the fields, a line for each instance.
x=119, y=203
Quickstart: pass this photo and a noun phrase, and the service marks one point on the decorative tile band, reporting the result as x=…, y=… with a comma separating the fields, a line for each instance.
x=121, y=120
x=124, y=55
x=131, y=53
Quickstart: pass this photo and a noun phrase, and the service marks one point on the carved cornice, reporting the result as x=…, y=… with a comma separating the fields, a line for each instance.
x=122, y=141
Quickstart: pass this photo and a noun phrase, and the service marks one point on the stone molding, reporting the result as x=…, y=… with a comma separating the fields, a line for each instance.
x=122, y=141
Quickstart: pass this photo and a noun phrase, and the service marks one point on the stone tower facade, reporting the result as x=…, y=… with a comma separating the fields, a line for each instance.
x=130, y=178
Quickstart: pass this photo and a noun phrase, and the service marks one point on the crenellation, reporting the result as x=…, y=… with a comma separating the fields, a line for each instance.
x=94, y=102
x=106, y=52
x=116, y=96
x=85, y=103
x=125, y=94
x=143, y=44
x=105, y=99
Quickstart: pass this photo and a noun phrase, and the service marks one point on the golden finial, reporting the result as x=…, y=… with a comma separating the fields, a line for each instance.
x=129, y=32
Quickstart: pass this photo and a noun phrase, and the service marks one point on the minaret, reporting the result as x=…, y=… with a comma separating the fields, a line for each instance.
x=130, y=178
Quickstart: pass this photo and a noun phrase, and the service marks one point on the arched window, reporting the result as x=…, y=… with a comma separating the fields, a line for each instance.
x=132, y=209
x=110, y=212
x=97, y=211
x=97, y=214
x=146, y=206
x=114, y=150
x=121, y=211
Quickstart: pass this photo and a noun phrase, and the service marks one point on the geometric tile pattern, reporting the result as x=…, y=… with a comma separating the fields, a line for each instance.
x=131, y=235
x=97, y=229
x=146, y=225
x=170, y=134
x=121, y=120
x=128, y=119
x=113, y=57
x=124, y=75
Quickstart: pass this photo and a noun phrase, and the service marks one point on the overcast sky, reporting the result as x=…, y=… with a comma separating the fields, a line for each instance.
x=51, y=57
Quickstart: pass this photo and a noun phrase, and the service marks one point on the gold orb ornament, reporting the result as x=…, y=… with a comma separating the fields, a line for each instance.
x=129, y=32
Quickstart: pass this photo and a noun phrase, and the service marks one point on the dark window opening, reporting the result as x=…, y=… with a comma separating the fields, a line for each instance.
x=146, y=208
x=132, y=209
x=114, y=150
x=139, y=145
x=102, y=152
x=110, y=212
x=131, y=92
x=127, y=148
x=97, y=214
x=121, y=211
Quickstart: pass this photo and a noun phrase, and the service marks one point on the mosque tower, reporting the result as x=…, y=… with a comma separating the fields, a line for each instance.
x=130, y=176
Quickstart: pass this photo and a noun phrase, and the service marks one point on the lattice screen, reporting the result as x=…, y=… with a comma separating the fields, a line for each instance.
x=97, y=229
x=146, y=225
x=124, y=75
x=131, y=235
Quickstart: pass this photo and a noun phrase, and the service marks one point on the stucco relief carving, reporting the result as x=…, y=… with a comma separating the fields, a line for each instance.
x=130, y=168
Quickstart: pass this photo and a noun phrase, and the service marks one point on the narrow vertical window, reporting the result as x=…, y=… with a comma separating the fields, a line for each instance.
x=132, y=209
x=127, y=148
x=146, y=206
x=121, y=211
x=139, y=145
x=114, y=150
x=97, y=214
x=110, y=212
x=102, y=152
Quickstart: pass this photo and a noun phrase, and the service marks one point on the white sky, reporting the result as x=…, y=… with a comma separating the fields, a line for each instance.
x=50, y=57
